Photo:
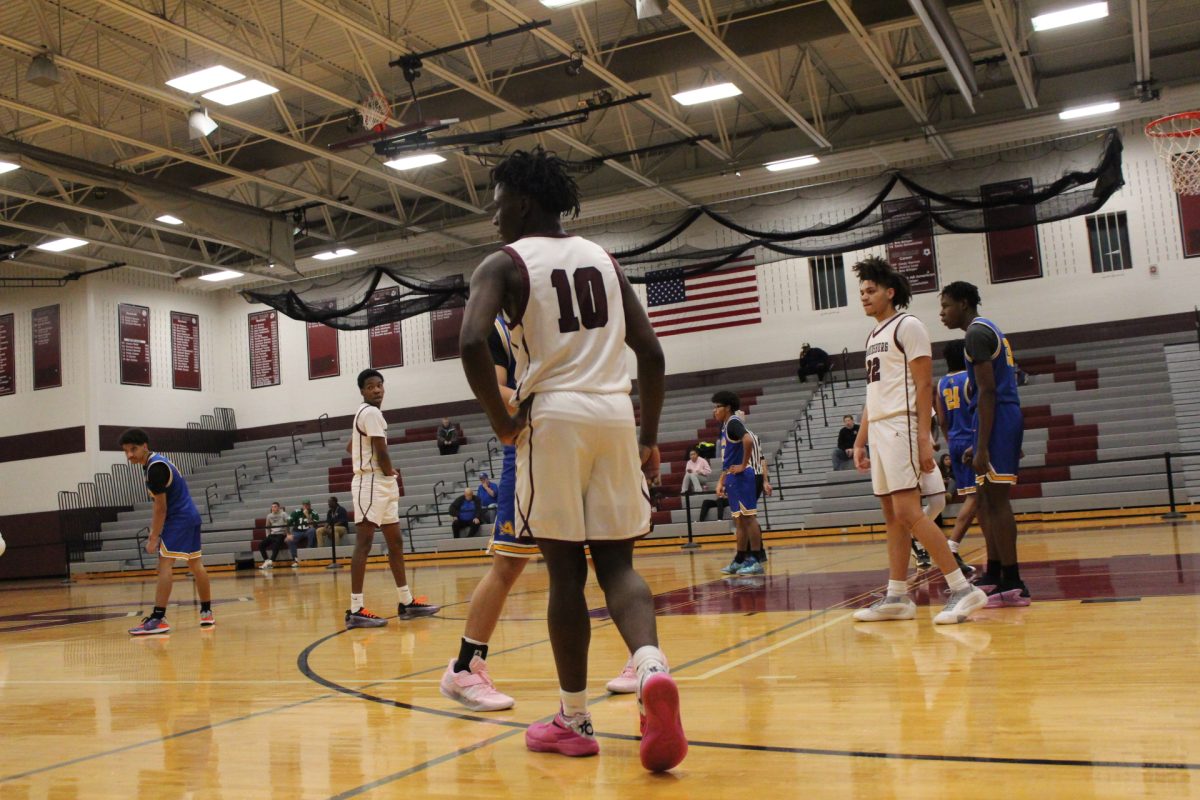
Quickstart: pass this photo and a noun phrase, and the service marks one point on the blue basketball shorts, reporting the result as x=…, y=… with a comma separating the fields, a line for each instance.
x=964, y=474
x=742, y=493
x=180, y=540
x=1004, y=446
x=504, y=537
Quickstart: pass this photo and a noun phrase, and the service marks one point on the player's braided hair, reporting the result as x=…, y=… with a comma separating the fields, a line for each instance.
x=879, y=272
x=963, y=292
x=542, y=176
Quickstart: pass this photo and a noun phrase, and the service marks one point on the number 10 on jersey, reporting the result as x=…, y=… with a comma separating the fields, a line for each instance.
x=589, y=291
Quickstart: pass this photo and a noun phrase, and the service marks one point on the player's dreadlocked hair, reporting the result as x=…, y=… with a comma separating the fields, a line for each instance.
x=879, y=272
x=963, y=292
x=542, y=176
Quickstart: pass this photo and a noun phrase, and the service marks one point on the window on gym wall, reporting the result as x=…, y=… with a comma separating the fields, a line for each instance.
x=828, y=277
x=1108, y=240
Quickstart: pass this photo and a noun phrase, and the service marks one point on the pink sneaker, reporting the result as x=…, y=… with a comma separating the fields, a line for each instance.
x=626, y=682
x=568, y=737
x=664, y=744
x=474, y=689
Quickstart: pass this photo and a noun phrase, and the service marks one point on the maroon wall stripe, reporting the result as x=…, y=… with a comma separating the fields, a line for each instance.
x=40, y=444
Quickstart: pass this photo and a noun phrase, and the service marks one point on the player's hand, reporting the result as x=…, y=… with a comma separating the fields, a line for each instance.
x=767, y=489
x=721, y=489
x=861, y=462
x=152, y=545
x=288, y=538
x=981, y=462
x=968, y=455
x=737, y=469
x=510, y=428
x=925, y=456
x=651, y=462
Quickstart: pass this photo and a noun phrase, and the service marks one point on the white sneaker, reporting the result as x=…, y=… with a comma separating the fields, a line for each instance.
x=961, y=605
x=267, y=564
x=888, y=608
x=626, y=682
x=474, y=688
x=295, y=563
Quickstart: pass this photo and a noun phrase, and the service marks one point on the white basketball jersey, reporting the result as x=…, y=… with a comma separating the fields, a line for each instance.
x=890, y=387
x=368, y=422
x=570, y=335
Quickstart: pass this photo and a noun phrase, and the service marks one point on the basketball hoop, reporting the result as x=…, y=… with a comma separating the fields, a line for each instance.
x=1176, y=140
x=375, y=112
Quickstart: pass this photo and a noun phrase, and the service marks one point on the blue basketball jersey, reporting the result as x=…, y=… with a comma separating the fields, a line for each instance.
x=953, y=392
x=179, y=500
x=1004, y=369
x=503, y=346
x=732, y=450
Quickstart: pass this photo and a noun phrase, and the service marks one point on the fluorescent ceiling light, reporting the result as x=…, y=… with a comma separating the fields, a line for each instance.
x=205, y=79
x=791, y=163
x=239, y=92
x=7, y=166
x=1070, y=16
x=560, y=3
x=223, y=275
x=707, y=94
x=1088, y=111
x=58, y=245
x=412, y=162
x=341, y=252
x=169, y=220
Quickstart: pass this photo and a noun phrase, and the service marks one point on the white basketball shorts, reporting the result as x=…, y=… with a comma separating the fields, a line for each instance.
x=895, y=463
x=376, y=498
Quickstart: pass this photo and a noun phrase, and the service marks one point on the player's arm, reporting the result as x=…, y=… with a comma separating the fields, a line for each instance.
x=922, y=374
x=651, y=365
x=747, y=450
x=939, y=405
x=492, y=285
x=382, y=457
x=766, y=475
x=158, y=478
x=980, y=345
x=861, y=463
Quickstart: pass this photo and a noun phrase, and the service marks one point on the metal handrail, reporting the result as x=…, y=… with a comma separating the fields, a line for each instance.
x=295, y=450
x=140, y=549
x=829, y=379
x=846, y=366
x=470, y=461
x=321, y=426
x=209, y=502
x=796, y=444
x=270, y=455
x=490, y=452
x=824, y=414
x=238, y=483
x=808, y=429
x=437, y=502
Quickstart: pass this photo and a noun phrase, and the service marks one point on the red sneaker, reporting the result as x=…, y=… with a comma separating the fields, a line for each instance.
x=664, y=744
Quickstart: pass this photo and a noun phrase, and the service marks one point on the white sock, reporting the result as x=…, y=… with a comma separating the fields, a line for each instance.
x=573, y=702
x=405, y=594
x=953, y=545
x=897, y=589
x=649, y=659
x=356, y=602
x=956, y=581
x=935, y=505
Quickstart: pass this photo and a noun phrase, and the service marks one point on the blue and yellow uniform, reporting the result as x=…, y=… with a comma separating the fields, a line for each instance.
x=740, y=487
x=181, y=530
x=953, y=394
x=985, y=342
x=504, y=537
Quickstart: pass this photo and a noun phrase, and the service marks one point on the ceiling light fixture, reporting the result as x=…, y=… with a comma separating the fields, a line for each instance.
x=1089, y=111
x=341, y=252
x=8, y=166
x=560, y=3
x=205, y=79
x=169, y=220
x=791, y=163
x=413, y=162
x=239, y=92
x=1070, y=16
x=42, y=71
x=200, y=124
x=222, y=275
x=707, y=94
x=59, y=245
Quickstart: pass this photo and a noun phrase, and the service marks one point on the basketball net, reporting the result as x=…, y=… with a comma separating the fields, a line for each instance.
x=375, y=111
x=1176, y=140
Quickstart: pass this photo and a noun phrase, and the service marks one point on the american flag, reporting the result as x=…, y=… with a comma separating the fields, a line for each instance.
x=721, y=298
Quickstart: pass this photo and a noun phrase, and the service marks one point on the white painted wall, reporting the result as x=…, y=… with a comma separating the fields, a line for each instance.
x=1069, y=294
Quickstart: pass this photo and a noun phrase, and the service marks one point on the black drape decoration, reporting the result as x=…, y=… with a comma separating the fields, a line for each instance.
x=1074, y=193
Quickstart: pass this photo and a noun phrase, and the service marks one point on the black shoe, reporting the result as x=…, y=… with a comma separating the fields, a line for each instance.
x=416, y=609
x=921, y=554
x=967, y=569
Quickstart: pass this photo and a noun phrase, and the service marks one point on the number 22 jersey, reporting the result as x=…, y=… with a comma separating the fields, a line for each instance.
x=890, y=347
x=569, y=334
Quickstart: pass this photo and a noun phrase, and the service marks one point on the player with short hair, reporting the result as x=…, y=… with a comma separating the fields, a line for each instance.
x=375, y=494
x=999, y=430
x=954, y=418
x=739, y=464
x=579, y=456
x=174, y=531
x=896, y=422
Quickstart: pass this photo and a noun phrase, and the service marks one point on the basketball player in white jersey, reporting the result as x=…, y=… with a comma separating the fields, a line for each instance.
x=579, y=454
x=896, y=423
x=375, y=496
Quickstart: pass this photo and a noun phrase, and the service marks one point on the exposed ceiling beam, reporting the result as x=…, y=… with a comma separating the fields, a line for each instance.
x=1006, y=30
x=710, y=38
x=137, y=252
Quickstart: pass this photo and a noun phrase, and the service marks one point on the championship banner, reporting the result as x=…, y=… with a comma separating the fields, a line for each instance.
x=913, y=254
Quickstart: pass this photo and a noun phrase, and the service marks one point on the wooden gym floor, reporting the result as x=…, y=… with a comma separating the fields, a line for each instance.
x=1090, y=692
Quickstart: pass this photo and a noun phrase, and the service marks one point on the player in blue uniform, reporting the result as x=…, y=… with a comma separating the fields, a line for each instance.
x=954, y=419
x=999, y=429
x=174, y=531
x=737, y=484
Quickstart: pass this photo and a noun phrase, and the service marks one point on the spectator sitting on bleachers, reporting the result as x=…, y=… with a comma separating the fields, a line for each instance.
x=277, y=534
x=304, y=530
x=464, y=514
x=335, y=525
x=487, y=493
x=813, y=361
x=447, y=437
x=695, y=473
x=843, y=454
x=719, y=503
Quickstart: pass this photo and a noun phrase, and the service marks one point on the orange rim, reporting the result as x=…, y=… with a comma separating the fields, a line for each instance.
x=1152, y=128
